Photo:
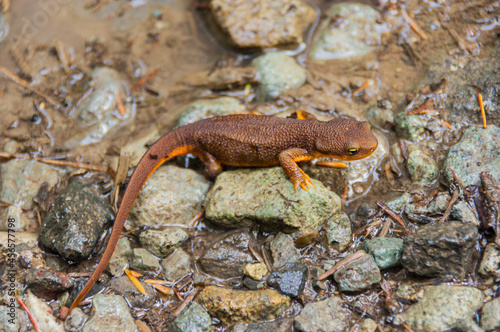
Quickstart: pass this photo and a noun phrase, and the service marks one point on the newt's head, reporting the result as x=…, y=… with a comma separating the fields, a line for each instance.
x=346, y=139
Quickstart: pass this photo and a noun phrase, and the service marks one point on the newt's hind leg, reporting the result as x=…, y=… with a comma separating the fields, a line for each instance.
x=288, y=160
x=212, y=166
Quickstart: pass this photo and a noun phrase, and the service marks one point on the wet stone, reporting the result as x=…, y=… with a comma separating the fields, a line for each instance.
x=192, y=319
x=490, y=264
x=381, y=115
x=364, y=212
x=241, y=197
x=444, y=308
x=422, y=168
x=348, y=30
x=437, y=205
x=176, y=265
x=255, y=271
x=172, y=195
x=410, y=127
x=222, y=78
x=398, y=204
x=23, y=223
x=338, y=231
x=98, y=115
x=227, y=258
x=272, y=23
x=327, y=315
x=7, y=313
x=22, y=179
x=119, y=260
x=75, y=320
x=463, y=212
x=385, y=251
x=76, y=221
x=162, y=243
x=477, y=151
x=253, y=284
x=289, y=279
x=441, y=249
x=110, y=313
x=283, y=250
x=125, y=287
x=46, y=283
x=235, y=306
x=490, y=319
x=281, y=325
x=358, y=275
x=208, y=108
x=279, y=73
x=42, y=314
x=143, y=260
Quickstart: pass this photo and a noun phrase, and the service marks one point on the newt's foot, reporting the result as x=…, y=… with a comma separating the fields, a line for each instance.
x=303, y=180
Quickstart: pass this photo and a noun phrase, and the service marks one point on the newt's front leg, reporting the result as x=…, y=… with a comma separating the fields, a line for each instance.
x=288, y=160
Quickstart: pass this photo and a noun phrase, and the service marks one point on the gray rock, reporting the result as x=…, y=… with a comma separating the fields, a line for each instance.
x=176, y=265
x=13, y=318
x=477, y=151
x=262, y=29
x=265, y=195
x=125, y=287
x=437, y=205
x=163, y=243
x=490, y=319
x=410, y=127
x=399, y=203
x=443, y=308
x=381, y=114
x=289, y=279
x=280, y=325
x=207, y=108
x=385, y=251
x=283, y=250
x=358, y=275
x=172, y=195
x=98, y=115
x=236, y=306
x=327, y=315
x=364, y=212
x=349, y=30
x=76, y=221
x=279, y=73
x=227, y=257
x=75, y=320
x=490, y=264
x=42, y=314
x=143, y=260
x=45, y=283
x=422, y=168
x=119, y=260
x=192, y=319
x=22, y=220
x=463, y=212
x=110, y=313
x=22, y=179
x=338, y=231
x=441, y=249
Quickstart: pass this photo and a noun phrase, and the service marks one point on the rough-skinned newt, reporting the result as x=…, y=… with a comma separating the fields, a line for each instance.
x=246, y=141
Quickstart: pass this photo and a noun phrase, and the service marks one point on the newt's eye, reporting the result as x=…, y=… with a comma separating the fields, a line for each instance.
x=352, y=151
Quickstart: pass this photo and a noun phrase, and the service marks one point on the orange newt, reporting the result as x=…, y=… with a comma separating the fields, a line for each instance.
x=246, y=141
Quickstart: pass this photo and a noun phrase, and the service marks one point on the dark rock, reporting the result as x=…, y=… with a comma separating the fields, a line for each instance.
x=78, y=286
x=290, y=279
x=327, y=315
x=228, y=257
x=76, y=221
x=192, y=319
x=441, y=249
x=46, y=283
x=364, y=212
x=358, y=275
x=125, y=287
x=254, y=284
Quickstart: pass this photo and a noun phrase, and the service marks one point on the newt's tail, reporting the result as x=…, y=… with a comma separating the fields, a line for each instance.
x=162, y=150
